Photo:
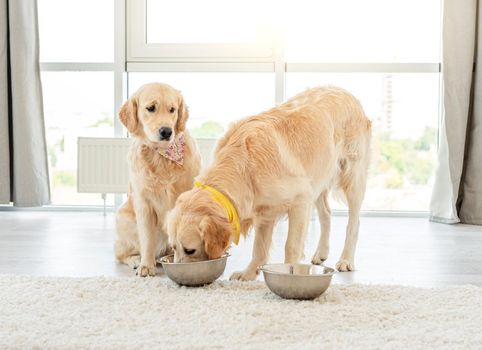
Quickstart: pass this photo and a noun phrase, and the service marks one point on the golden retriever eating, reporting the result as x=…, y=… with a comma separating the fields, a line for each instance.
x=275, y=163
x=163, y=161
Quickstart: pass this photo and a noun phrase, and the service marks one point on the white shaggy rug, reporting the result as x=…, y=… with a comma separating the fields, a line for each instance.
x=154, y=313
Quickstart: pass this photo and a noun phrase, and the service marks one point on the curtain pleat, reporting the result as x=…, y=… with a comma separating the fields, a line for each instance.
x=455, y=181
x=23, y=159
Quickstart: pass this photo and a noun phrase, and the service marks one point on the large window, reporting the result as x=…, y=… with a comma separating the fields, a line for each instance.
x=77, y=61
x=386, y=52
x=233, y=58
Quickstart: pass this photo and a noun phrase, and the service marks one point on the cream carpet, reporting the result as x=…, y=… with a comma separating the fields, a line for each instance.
x=153, y=313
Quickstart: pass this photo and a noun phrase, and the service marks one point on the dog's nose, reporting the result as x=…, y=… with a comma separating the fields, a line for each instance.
x=165, y=133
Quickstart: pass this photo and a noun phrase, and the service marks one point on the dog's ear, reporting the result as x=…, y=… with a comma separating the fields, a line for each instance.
x=128, y=115
x=182, y=115
x=216, y=234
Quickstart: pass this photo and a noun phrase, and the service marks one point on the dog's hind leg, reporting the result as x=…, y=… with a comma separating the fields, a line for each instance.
x=262, y=244
x=126, y=247
x=354, y=184
x=324, y=214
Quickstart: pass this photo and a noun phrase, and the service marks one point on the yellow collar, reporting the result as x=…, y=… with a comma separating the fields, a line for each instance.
x=224, y=201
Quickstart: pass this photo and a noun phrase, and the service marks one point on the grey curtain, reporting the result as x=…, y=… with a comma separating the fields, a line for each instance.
x=457, y=193
x=24, y=176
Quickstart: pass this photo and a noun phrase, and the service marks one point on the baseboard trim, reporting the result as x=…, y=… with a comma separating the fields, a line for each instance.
x=336, y=212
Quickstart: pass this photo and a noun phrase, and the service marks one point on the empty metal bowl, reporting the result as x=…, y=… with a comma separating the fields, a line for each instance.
x=297, y=281
x=193, y=273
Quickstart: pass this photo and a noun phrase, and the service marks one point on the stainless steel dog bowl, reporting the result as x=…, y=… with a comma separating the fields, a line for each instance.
x=193, y=273
x=297, y=281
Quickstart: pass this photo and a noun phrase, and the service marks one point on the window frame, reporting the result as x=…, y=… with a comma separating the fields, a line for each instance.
x=139, y=50
x=143, y=57
x=132, y=53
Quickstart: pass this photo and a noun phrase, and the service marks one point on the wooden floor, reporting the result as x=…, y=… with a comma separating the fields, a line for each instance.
x=408, y=251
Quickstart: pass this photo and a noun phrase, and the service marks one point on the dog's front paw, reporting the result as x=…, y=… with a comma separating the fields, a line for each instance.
x=144, y=271
x=246, y=275
x=319, y=257
x=345, y=265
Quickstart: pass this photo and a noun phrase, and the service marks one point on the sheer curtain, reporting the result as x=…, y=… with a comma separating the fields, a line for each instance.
x=24, y=176
x=457, y=193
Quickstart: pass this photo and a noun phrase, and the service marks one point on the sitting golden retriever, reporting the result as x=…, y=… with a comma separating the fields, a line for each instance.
x=275, y=163
x=163, y=161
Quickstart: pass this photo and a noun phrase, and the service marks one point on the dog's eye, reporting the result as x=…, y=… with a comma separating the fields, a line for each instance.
x=151, y=108
x=172, y=110
x=189, y=251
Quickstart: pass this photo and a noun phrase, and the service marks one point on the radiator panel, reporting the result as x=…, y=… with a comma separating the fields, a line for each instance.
x=102, y=165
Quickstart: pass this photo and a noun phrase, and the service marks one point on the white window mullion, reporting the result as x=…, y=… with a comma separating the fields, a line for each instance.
x=120, y=87
x=225, y=67
x=364, y=67
x=77, y=66
x=119, y=63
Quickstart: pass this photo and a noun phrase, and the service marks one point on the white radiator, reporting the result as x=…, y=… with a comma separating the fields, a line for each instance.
x=102, y=163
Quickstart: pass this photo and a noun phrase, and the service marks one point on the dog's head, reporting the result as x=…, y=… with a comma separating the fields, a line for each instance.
x=155, y=113
x=198, y=228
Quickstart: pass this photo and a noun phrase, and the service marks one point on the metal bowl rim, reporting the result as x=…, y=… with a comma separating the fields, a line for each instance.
x=265, y=269
x=162, y=260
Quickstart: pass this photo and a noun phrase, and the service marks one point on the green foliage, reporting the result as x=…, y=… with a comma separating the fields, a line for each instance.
x=63, y=178
x=62, y=144
x=428, y=139
x=405, y=160
x=52, y=156
x=394, y=180
x=420, y=171
x=208, y=129
x=109, y=121
x=393, y=153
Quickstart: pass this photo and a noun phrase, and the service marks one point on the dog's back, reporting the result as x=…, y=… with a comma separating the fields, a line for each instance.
x=321, y=133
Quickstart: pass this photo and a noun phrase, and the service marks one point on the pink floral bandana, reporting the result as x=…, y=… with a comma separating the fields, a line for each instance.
x=175, y=150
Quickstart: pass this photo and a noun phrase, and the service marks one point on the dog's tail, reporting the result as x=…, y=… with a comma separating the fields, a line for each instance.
x=353, y=161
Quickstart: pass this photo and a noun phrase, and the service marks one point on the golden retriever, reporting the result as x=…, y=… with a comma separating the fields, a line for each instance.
x=275, y=163
x=163, y=161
